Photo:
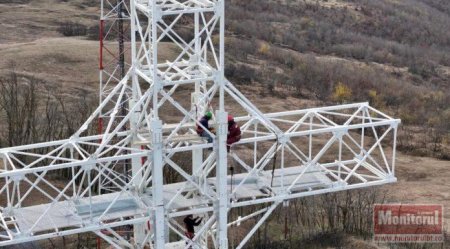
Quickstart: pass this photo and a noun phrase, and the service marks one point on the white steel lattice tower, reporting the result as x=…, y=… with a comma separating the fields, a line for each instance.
x=174, y=75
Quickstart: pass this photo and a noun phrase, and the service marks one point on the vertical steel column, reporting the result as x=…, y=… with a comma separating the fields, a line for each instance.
x=157, y=143
x=157, y=186
x=221, y=149
x=197, y=154
x=221, y=175
x=394, y=149
x=136, y=163
x=154, y=60
x=121, y=65
x=100, y=38
x=100, y=76
x=121, y=61
x=220, y=12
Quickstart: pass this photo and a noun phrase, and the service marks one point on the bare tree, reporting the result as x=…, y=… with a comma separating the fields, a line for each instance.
x=19, y=103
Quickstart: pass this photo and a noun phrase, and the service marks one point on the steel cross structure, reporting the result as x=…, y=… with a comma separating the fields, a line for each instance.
x=61, y=188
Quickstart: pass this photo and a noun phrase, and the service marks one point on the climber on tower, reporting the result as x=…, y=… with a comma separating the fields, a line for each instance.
x=190, y=222
x=234, y=132
x=204, y=121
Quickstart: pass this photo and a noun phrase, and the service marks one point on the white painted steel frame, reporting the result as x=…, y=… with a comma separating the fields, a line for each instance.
x=302, y=141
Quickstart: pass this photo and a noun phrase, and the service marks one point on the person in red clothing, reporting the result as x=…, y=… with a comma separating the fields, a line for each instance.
x=234, y=132
x=190, y=223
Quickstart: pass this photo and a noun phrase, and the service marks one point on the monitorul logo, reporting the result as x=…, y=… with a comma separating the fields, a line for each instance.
x=408, y=223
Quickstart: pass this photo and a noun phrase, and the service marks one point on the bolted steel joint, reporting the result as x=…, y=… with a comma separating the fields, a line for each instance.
x=283, y=139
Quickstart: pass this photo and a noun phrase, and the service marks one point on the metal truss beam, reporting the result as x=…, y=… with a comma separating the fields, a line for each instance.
x=281, y=156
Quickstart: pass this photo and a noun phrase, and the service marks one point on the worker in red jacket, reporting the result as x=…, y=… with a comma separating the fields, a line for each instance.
x=234, y=132
x=190, y=222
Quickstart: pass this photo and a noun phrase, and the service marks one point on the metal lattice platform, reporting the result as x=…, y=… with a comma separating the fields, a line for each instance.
x=147, y=172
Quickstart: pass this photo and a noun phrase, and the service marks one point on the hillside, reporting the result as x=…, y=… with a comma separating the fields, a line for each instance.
x=395, y=54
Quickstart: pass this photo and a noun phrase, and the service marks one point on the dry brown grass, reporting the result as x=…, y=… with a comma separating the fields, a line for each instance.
x=65, y=63
x=353, y=242
x=422, y=180
x=62, y=62
x=41, y=18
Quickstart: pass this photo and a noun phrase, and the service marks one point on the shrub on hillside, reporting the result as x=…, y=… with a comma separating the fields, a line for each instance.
x=72, y=29
x=423, y=68
x=342, y=93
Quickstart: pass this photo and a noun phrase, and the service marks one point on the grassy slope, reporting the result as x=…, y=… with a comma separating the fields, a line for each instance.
x=25, y=20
